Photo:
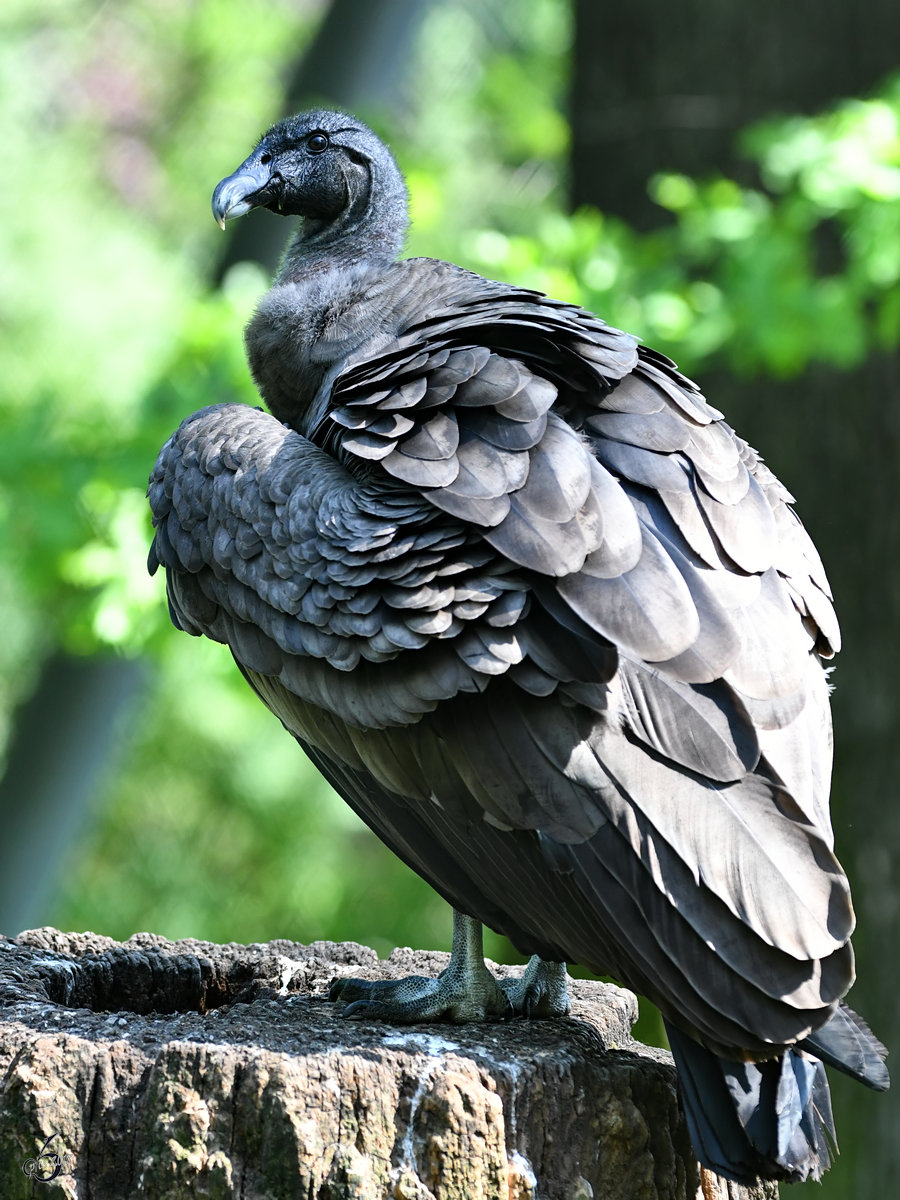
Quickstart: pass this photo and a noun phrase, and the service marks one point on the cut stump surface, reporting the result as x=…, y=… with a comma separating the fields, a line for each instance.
x=187, y=1069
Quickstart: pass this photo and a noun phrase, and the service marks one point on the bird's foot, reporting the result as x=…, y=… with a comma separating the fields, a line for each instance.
x=464, y=991
x=540, y=991
x=455, y=996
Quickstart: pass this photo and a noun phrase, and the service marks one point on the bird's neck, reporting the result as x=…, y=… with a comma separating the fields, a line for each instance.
x=305, y=328
x=369, y=232
x=328, y=299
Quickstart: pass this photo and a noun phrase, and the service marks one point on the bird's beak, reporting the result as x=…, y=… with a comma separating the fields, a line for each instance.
x=235, y=195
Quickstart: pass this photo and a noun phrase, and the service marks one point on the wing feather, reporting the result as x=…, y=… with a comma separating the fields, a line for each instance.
x=551, y=627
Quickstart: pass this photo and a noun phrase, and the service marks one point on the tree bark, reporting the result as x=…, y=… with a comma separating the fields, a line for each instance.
x=180, y=1069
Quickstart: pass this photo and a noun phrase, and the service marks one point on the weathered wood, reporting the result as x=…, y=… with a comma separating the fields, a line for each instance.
x=185, y=1069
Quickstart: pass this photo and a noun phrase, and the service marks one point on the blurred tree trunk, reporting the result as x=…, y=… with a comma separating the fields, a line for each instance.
x=68, y=736
x=660, y=87
x=667, y=88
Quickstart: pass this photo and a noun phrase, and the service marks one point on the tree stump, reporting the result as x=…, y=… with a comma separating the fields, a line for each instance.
x=186, y=1069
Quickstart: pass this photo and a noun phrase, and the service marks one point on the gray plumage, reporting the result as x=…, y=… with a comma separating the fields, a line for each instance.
x=549, y=626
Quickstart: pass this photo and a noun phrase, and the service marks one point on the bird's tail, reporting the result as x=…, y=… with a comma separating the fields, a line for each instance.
x=773, y=1120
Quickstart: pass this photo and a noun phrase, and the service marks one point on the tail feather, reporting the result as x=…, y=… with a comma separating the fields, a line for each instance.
x=804, y=1120
x=750, y=1121
x=847, y=1043
x=773, y=1120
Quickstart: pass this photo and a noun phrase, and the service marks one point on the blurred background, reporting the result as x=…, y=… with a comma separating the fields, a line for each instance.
x=722, y=179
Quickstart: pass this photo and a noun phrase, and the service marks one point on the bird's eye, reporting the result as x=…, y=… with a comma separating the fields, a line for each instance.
x=265, y=158
x=316, y=143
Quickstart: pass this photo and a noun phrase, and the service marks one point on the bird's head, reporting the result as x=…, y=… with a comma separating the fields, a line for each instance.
x=326, y=167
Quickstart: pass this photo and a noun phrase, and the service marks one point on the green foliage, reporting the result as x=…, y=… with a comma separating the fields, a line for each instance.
x=119, y=122
x=803, y=268
x=109, y=146
x=216, y=826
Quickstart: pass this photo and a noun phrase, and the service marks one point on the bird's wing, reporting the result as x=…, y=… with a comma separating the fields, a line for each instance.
x=362, y=598
x=505, y=489
x=458, y=796
x=597, y=468
x=601, y=471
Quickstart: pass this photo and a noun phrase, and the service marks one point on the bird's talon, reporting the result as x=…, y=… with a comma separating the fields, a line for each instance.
x=339, y=986
x=357, y=1010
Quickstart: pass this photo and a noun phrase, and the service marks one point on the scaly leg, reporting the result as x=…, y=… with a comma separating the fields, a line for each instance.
x=464, y=991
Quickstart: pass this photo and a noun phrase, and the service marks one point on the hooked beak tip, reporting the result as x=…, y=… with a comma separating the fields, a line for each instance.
x=236, y=194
